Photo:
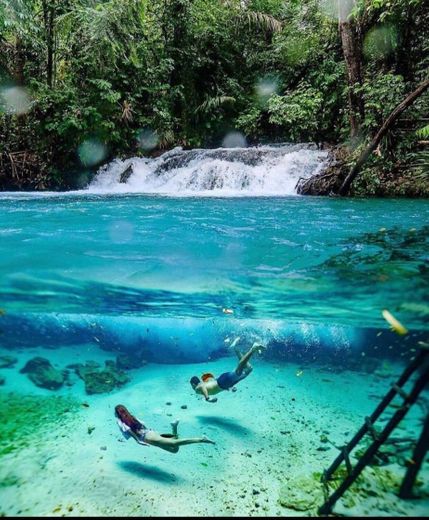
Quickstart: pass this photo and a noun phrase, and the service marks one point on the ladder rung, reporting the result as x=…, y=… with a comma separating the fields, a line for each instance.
x=347, y=459
x=326, y=477
x=400, y=391
x=371, y=428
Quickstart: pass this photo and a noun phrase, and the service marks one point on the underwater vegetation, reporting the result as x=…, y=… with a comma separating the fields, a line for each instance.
x=394, y=252
x=26, y=418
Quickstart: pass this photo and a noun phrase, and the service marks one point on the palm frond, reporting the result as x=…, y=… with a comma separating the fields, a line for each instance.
x=166, y=138
x=262, y=21
x=214, y=103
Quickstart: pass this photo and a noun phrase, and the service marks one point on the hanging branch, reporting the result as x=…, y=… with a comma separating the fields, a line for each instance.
x=409, y=100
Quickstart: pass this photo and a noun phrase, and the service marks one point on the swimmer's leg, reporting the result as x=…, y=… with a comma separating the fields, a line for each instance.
x=239, y=354
x=174, y=426
x=242, y=364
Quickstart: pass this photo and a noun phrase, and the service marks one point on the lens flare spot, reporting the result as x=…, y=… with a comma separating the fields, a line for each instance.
x=265, y=88
x=14, y=100
x=121, y=232
x=234, y=140
x=147, y=139
x=380, y=41
x=91, y=152
x=337, y=9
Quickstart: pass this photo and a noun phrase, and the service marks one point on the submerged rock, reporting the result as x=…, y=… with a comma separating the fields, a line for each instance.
x=101, y=381
x=43, y=374
x=301, y=493
x=130, y=361
x=7, y=361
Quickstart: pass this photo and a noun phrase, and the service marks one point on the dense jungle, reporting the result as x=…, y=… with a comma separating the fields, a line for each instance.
x=84, y=81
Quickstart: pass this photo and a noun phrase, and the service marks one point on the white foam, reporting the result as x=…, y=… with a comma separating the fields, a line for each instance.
x=225, y=172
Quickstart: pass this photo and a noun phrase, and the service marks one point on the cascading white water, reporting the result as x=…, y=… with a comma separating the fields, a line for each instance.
x=254, y=171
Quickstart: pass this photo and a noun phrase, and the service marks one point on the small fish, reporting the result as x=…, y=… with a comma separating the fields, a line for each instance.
x=227, y=311
x=299, y=373
x=86, y=405
x=395, y=324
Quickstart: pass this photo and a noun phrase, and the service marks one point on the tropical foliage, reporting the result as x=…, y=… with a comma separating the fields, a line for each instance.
x=82, y=81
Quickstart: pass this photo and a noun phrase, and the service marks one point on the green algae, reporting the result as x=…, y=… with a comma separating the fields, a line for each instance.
x=27, y=418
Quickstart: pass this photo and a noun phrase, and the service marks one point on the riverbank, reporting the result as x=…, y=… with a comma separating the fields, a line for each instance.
x=380, y=179
x=274, y=437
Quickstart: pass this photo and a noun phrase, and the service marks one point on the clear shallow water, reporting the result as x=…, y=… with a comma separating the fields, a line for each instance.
x=88, y=277
x=316, y=260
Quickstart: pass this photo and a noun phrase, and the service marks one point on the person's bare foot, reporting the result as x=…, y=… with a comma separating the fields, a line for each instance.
x=237, y=339
x=207, y=440
x=258, y=347
x=174, y=427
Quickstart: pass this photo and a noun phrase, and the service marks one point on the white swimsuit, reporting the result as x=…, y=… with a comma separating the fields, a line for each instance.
x=125, y=430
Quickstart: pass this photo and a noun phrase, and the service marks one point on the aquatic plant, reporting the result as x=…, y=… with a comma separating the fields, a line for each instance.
x=26, y=418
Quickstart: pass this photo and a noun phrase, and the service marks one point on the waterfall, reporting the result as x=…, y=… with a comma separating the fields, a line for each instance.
x=254, y=171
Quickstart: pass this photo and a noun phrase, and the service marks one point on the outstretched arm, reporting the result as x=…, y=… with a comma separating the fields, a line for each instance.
x=206, y=394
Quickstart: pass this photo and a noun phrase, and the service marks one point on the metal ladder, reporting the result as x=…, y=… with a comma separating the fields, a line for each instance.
x=421, y=361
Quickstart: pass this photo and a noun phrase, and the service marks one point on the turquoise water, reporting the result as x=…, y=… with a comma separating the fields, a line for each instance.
x=309, y=259
x=87, y=277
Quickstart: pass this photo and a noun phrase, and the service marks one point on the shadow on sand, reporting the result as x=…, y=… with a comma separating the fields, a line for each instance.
x=150, y=472
x=227, y=424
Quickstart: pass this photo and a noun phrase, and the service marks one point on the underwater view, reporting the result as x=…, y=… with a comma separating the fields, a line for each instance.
x=162, y=280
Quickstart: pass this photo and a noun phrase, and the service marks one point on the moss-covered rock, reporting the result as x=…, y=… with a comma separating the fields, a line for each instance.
x=130, y=361
x=99, y=381
x=43, y=374
x=7, y=361
x=301, y=493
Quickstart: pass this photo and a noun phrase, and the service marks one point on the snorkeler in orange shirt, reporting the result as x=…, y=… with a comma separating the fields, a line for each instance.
x=209, y=385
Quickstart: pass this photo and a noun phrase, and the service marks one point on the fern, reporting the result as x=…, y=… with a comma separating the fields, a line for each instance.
x=420, y=165
x=423, y=133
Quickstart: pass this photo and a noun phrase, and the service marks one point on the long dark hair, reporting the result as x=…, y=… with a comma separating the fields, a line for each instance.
x=124, y=415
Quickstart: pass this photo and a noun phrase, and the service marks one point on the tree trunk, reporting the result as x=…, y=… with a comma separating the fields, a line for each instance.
x=351, y=44
x=20, y=61
x=49, y=18
x=409, y=100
